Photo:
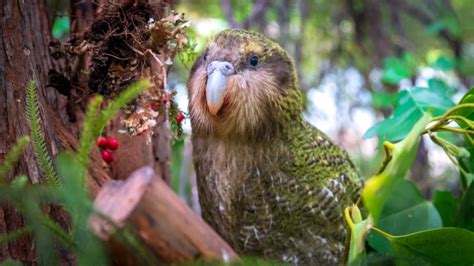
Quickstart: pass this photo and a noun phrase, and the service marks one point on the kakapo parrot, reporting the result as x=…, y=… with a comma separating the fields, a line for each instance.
x=269, y=183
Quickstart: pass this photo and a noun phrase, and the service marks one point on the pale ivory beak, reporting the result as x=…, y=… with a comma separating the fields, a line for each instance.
x=218, y=73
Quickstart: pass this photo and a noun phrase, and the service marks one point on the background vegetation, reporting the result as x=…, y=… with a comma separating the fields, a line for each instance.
x=388, y=80
x=353, y=59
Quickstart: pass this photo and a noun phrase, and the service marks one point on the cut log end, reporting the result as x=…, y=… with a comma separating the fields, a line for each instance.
x=162, y=221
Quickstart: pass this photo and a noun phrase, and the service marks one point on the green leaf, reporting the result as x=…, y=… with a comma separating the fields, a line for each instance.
x=12, y=157
x=447, y=206
x=444, y=63
x=382, y=99
x=397, y=69
x=60, y=27
x=444, y=246
x=465, y=215
x=411, y=106
x=405, y=211
x=440, y=87
x=436, y=27
x=447, y=23
x=378, y=188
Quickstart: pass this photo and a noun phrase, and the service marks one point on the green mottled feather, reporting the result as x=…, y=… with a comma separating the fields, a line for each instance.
x=280, y=193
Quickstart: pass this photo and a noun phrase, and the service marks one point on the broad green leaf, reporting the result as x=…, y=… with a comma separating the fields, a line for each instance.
x=447, y=206
x=465, y=215
x=406, y=211
x=383, y=99
x=440, y=87
x=411, y=106
x=379, y=187
x=397, y=69
x=443, y=246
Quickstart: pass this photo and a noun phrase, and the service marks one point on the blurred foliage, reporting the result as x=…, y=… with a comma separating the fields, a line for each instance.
x=401, y=224
x=72, y=196
x=391, y=45
x=410, y=106
x=416, y=61
x=61, y=27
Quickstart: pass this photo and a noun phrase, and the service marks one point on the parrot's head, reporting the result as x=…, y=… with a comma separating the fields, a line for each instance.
x=243, y=85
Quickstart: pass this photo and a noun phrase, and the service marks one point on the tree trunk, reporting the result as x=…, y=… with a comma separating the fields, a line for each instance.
x=25, y=35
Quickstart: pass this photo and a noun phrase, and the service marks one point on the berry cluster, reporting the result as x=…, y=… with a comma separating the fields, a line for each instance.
x=107, y=145
x=179, y=117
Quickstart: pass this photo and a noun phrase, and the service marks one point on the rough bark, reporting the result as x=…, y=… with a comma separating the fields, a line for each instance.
x=166, y=226
x=24, y=38
x=24, y=55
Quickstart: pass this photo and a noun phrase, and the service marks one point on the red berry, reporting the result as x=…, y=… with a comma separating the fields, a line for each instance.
x=102, y=142
x=179, y=117
x=153, y=106
x=107, y=156
x=112, y=143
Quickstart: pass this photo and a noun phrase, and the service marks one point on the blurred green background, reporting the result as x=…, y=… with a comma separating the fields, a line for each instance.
x=353, y=57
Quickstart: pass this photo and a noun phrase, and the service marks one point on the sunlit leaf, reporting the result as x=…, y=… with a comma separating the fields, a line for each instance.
x=379, y=187
x=382, y=99
x=398, y=68
x=411, y=106
x=358, y=230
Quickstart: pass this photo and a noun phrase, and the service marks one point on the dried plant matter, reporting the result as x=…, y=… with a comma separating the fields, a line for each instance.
x=126, y=44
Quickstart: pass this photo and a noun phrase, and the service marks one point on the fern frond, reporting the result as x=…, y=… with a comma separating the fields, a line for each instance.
x=37, y=139
x=15, y=235
x=58, y=231
x=90, y=130
x=123, y=99
x=95, y=121
x=12, y=157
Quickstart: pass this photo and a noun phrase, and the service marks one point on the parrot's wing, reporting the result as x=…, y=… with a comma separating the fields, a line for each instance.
x=327, y=180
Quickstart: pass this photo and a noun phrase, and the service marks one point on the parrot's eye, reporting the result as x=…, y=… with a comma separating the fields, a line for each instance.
x=253, y=60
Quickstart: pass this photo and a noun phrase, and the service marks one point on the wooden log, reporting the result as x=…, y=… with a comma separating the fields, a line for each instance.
x=166, y=226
